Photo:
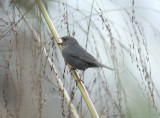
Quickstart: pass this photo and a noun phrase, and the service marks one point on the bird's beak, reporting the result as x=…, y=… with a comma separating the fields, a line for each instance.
x=60, y=41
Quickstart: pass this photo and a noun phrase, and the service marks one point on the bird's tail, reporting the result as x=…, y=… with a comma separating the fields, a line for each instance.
x=102, y=65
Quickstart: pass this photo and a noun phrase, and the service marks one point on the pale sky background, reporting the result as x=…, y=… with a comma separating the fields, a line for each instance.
x=147, y=14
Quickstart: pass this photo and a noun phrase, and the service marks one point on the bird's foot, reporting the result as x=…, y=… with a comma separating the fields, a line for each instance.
x=72, y=69
x=78, y=80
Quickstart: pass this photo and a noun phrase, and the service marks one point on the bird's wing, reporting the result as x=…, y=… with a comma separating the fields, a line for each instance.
x=79, y=53
x=88, y=59
x=83, y=55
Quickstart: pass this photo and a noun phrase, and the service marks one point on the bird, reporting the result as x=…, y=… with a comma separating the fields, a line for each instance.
x=76, y=56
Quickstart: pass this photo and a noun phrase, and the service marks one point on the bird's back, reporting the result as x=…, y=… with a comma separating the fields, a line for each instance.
x=78, y=57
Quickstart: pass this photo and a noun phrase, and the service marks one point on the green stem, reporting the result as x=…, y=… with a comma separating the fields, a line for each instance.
x=74, y=74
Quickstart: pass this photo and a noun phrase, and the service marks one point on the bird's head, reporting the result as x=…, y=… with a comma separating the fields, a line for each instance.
x=66, y=41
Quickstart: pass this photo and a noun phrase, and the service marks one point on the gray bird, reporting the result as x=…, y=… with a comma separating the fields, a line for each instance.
x=76, y=56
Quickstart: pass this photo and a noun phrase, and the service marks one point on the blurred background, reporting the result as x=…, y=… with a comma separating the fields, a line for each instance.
x=123, y=34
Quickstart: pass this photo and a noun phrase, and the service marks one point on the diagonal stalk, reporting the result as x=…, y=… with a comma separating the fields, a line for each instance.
x=60, y=84
x=74, y=74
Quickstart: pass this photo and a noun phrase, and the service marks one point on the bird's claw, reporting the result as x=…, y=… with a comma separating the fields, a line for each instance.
x=78, y=80
x=71, y=69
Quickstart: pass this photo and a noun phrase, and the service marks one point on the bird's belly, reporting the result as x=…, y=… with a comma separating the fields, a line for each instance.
x=76, y=63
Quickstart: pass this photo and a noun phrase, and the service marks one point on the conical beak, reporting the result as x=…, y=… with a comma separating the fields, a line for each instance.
x=60, y=41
